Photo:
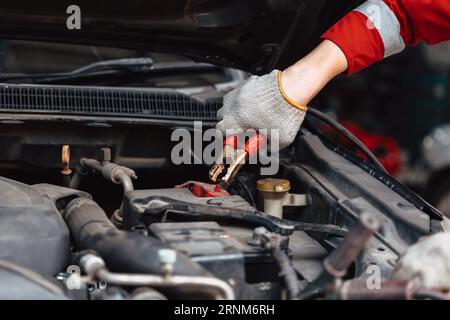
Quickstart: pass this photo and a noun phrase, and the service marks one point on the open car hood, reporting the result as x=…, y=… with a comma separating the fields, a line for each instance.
x=252, y=35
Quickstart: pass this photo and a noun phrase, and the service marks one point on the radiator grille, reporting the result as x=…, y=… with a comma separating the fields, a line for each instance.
x=150, y=103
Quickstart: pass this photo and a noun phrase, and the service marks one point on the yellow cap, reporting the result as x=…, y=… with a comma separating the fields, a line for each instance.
x=273, y=185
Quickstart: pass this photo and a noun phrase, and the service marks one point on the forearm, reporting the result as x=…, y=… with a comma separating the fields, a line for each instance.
x=375, y=30
x=304, y=80
x=380, y=28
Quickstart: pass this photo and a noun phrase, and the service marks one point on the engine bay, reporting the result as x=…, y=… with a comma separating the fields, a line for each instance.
x=83, y=227
x=111, y=187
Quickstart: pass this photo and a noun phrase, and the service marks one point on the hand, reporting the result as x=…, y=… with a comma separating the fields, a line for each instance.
x=259, y=104
x=426, y=263
x=278, y=100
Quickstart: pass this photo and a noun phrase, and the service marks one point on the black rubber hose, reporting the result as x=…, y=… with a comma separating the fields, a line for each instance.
x=123, y=251
x=346, y=133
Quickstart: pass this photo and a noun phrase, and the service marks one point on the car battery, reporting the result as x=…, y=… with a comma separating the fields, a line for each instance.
x=207, y=244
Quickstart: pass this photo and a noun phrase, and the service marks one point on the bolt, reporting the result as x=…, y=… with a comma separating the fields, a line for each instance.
x=62, y=276
x=264, y=286
x=257, y=236
x=105, y=155
x=65, y=159
x=260, y=231
x=167, y=257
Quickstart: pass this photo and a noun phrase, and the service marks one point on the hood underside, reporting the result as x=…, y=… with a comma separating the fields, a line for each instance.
x=252, y=35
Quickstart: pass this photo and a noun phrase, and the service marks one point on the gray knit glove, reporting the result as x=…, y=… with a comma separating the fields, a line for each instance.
x=427, y=263
x=260, y=103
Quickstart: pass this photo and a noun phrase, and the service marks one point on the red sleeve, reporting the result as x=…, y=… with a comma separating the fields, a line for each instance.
x=378, y=29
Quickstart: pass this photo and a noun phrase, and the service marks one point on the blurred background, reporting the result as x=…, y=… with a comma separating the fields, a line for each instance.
x=400, y=109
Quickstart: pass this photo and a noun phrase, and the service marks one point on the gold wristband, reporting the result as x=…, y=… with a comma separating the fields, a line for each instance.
x=288, y=100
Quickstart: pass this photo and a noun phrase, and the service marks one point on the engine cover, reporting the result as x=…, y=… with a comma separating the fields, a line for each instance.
x=32, y=232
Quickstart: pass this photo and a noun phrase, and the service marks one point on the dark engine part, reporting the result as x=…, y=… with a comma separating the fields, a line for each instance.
x=205, y=242
x=122, y=251
x=137, y=203
x=19, y=283
x=32, y=232
x=223, y=250
x=345, y=254
x=218, y=251
x=147, y=206
x=338, y=262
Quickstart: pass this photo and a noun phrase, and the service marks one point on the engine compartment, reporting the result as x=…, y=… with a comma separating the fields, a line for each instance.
x=162, y=239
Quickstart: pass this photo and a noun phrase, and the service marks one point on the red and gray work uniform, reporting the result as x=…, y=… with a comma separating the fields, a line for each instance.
x=378, y=29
